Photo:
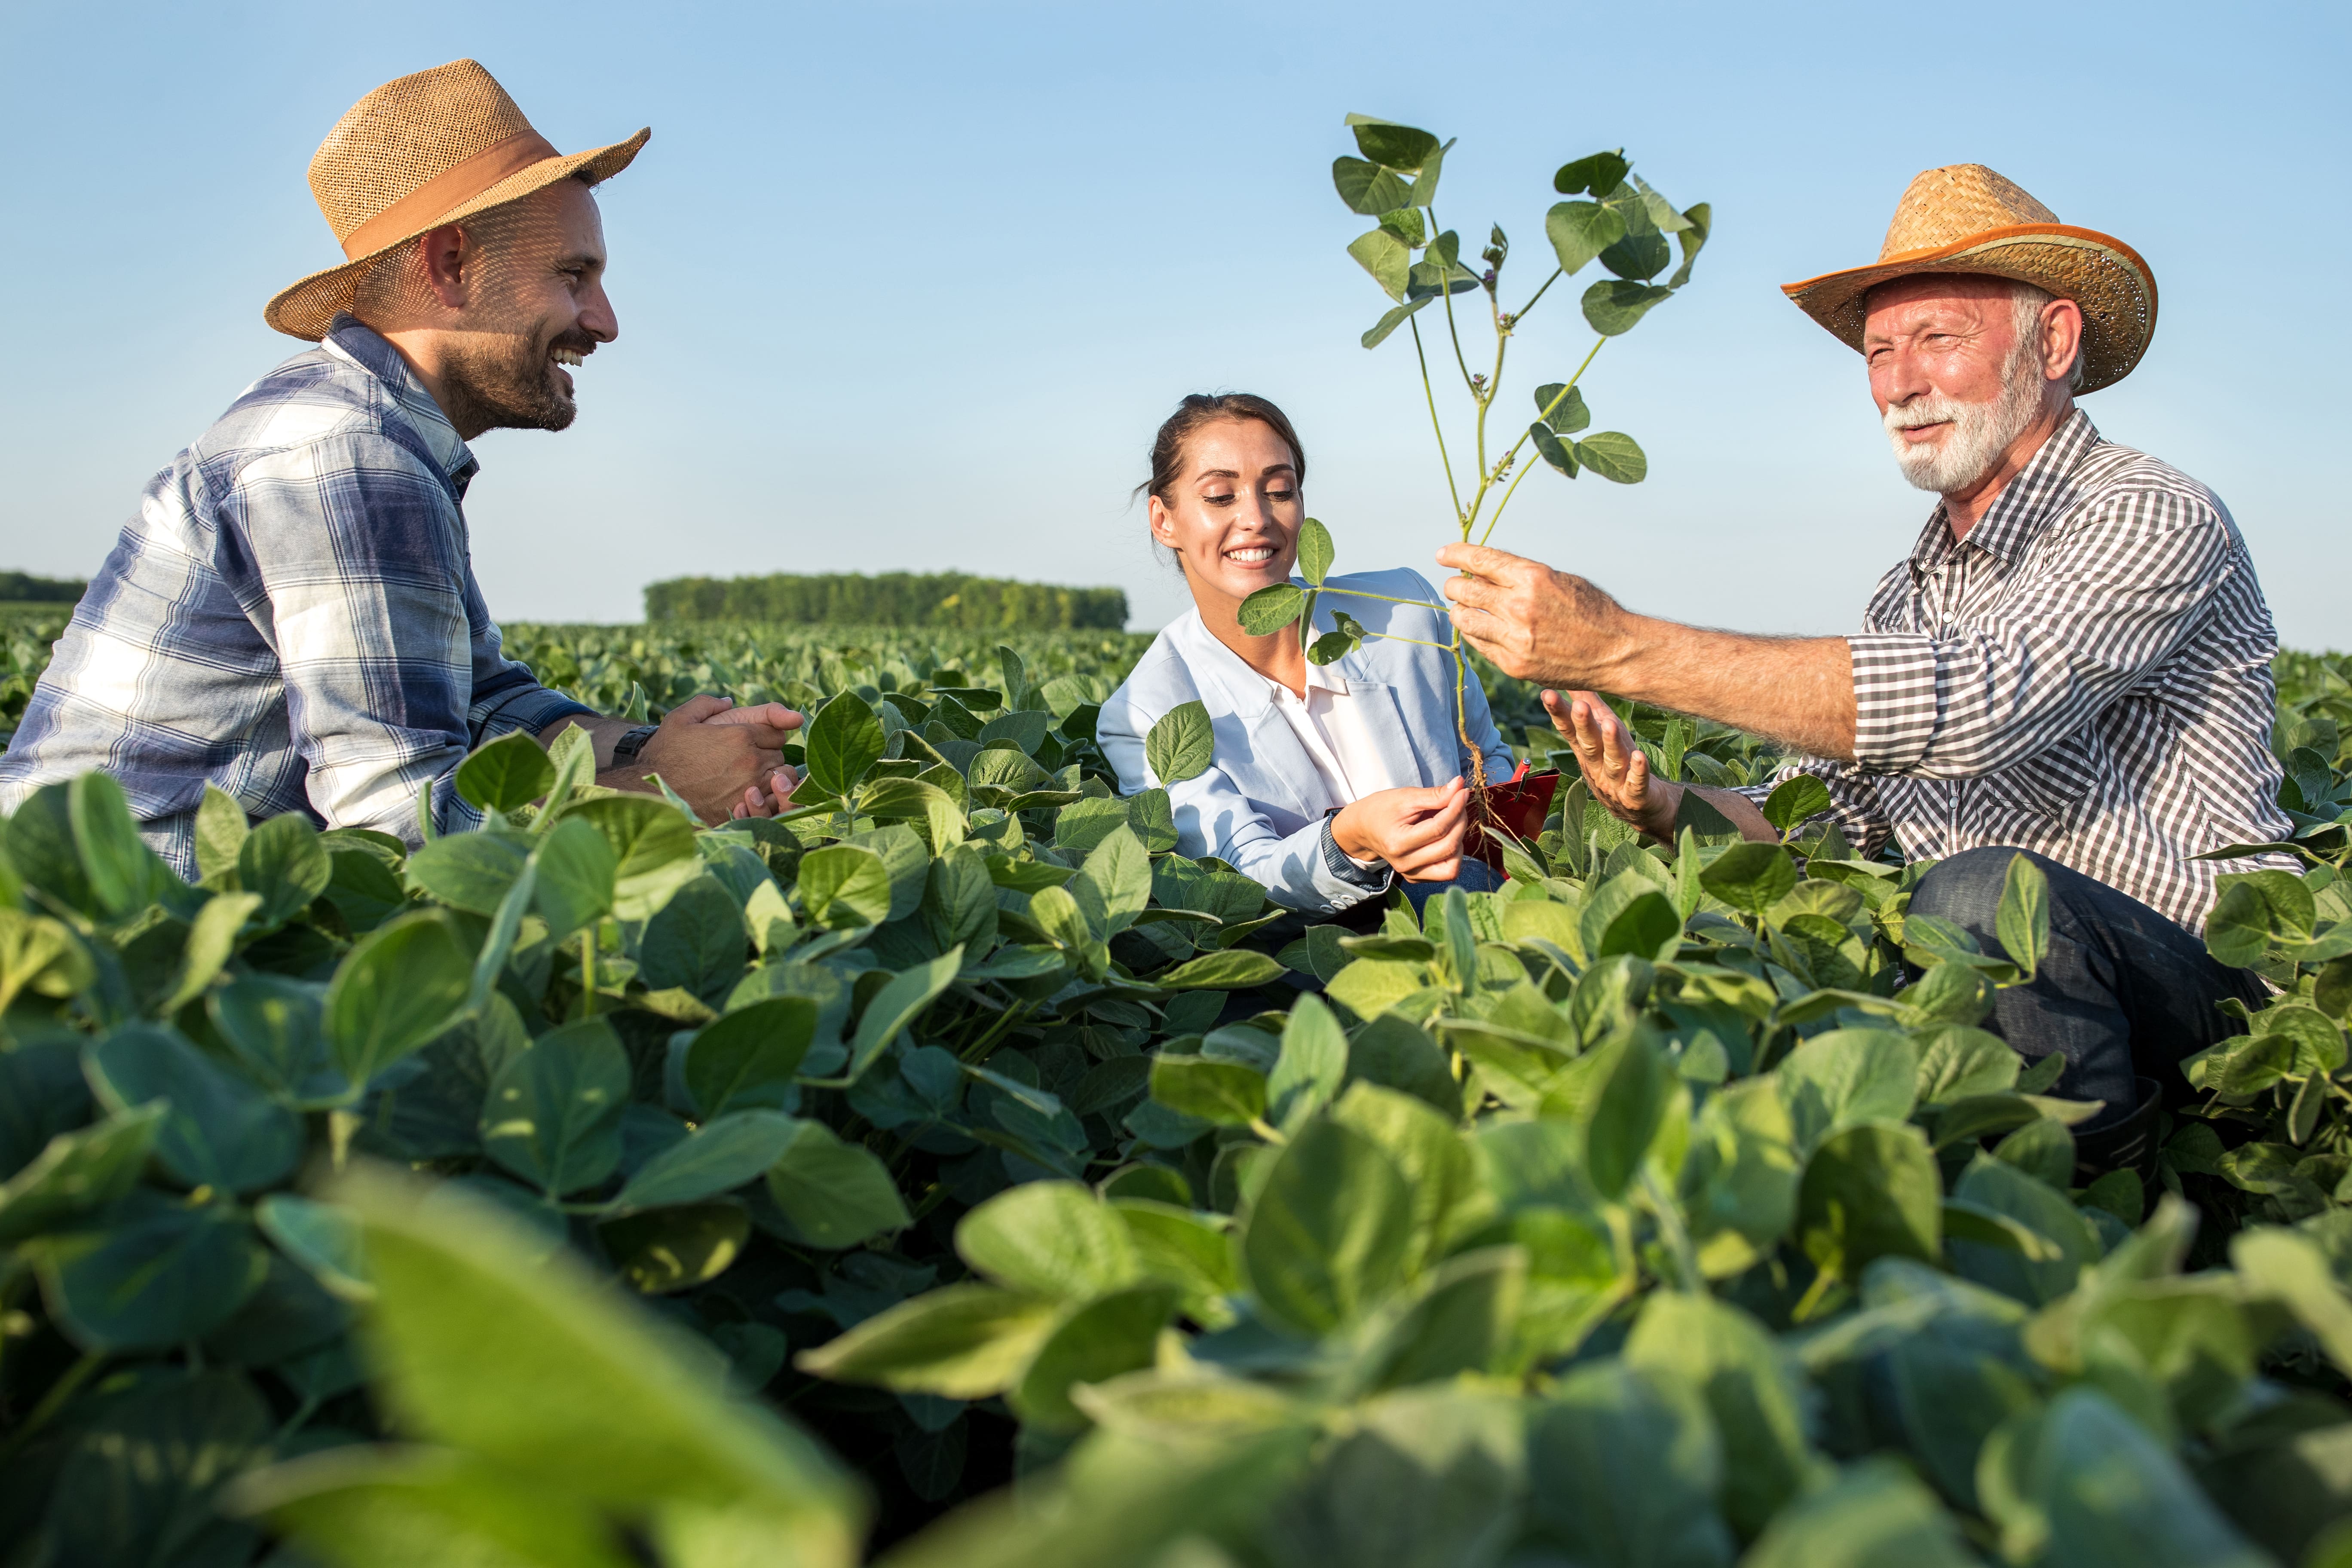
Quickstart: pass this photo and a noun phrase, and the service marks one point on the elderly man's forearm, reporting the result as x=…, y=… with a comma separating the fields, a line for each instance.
x=1796, y=691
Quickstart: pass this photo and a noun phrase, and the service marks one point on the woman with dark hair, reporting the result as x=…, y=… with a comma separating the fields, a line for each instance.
x=1330, y=781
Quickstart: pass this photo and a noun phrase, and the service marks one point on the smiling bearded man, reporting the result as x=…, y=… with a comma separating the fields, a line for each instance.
x=292, y=616
x=2073, y=662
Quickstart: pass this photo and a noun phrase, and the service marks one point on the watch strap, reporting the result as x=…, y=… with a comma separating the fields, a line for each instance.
x=626, y=748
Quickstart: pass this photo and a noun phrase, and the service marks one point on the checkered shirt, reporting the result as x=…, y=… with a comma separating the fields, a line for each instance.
x=291, y=616
x=2087, y=676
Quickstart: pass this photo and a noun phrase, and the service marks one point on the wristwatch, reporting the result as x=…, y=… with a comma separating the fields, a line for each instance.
x=626, y=748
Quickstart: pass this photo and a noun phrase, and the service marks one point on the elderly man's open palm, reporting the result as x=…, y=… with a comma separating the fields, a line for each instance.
x=1616, y=769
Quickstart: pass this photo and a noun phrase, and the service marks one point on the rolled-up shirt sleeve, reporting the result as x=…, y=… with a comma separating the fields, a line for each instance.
x=2121, y=590
x=356, y=569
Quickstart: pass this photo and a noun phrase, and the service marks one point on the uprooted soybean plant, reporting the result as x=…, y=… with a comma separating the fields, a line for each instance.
x=1613, y=215
x=595, y=1188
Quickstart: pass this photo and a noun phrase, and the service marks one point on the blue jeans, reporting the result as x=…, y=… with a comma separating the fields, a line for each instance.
x=2123, y=993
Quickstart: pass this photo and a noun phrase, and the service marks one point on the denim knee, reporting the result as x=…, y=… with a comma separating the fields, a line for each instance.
x=1965, y=888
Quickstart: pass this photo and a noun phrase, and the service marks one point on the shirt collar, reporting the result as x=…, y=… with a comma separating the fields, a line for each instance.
x=353, y=340
x=2025, y=506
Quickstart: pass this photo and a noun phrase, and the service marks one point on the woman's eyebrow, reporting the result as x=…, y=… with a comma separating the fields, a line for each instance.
x=1274, y=469
x=1216, y=474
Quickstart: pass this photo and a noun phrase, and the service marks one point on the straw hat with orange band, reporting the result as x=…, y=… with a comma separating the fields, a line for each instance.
x=425, y=150
x=1966, y=219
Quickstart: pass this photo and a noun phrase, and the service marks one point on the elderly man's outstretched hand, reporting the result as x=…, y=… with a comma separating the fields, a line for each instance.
x=1535, y=623
x=1616, y=769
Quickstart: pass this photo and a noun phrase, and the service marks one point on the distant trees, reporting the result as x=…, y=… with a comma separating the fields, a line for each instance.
x=953, y=599
x=23, y=587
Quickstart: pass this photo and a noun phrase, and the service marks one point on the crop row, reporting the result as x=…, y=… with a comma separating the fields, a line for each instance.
x=596, y=1187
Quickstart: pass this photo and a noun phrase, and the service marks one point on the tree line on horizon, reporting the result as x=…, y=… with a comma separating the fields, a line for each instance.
x=947, y=599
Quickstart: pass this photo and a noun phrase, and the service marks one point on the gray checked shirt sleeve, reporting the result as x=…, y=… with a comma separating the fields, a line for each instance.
x=2119, y=591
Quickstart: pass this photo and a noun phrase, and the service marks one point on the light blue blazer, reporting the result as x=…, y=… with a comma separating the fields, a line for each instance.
x=1260, y=806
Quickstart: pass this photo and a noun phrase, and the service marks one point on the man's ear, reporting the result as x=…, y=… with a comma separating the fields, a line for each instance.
x=2061, y=338
x=448, y=260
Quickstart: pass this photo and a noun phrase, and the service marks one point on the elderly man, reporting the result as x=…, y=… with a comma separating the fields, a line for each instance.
x=2072, y=661
x=292, y=616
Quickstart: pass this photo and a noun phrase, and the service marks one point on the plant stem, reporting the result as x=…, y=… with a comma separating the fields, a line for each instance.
x=1522, y=313
x=1515, y=444
x=1427, y=391
x=1387, y=598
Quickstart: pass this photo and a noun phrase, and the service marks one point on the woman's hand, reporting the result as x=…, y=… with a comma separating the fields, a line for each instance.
x=1417, y=831
x=1616, y=769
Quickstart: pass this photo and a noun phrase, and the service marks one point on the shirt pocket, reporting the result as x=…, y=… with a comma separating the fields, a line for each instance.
x=2043, y=799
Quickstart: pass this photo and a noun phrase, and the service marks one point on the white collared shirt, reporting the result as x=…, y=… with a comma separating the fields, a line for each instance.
x=1330, y=723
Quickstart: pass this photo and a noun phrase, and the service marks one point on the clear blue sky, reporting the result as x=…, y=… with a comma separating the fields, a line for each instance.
x=908, y=285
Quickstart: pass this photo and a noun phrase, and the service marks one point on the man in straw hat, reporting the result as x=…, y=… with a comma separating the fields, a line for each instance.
x=292, y=616
x=2073, y=660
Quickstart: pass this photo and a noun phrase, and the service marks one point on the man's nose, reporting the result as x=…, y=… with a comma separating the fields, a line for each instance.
x=596, y=318
x=1898, y=377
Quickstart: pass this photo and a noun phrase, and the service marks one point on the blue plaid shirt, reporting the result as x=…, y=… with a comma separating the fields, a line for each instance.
x=291, y=616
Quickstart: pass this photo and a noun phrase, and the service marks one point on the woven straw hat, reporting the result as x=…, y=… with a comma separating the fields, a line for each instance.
x=418, y=153
x=1966, y=219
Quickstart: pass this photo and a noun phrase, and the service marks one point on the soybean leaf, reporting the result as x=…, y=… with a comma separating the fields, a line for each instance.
x=1314, y=552
x=576, y=873
x=221, y=827
x=1235, y=969
x=1384, y=255
x=653, y=845
x=1615, y=456
x=1312, y=1065
x=469, y=871
x=723, y=1154
x=1330, y=1228
x=1614, y=305
x=1367, y=188
x=1377, y=332
x=283, y=861
x=122, y=873
x=554, y=1112
x=748, y=1057
x=1271, y=608
x=1640, y=257
x=1600, y=174
x=509, y=772
x=1579, y=231
x=1227, y=1093
x=1794, y=800
x=221, y=1131
x=844, y=885
x=1391, y=145
x=1049, y=1239
x=149, y=1273
x=1749, y=1385
x=2022, y=922
x=400, y=985
x=1869, y=1192
x=1561, y=409
x=85, y=1169
x=675, y=1247
x=964, y=1341
x=843, y=741
x=545, y=1375
x=1108, y=1336
x=1181, y=745
x=698, y=941
x=834, y=1194
x=897, y=1004
x=1559, y=454
x=1120, y=871
x=1699, y=220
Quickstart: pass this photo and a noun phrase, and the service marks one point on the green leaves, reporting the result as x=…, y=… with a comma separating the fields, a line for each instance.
x=843, y=741
x=400, y=985
x=1315, y=551
x=1600, y=174
x=831, y=1193
x=2022, y=922
x=1271, y=608
x=1794, y=800
x=1180, y=745
x=1227, y=1093
x=1615, y=456
x=1614, y=306
x=722, y=1155
x=506, y=774
x=1384, y=255
x=220, y=1131
x=1579, y=231
x=554, y=1112
x=1871, y=1191
x=2253, y=912
x=1329, y=1230
x=843, y=885
x=1050, y=1239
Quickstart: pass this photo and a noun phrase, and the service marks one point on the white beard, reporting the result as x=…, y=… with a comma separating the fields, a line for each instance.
x=1978, y=433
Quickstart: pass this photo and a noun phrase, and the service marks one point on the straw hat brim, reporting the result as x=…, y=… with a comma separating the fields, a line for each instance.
x=309, y=307
x=2099, y=272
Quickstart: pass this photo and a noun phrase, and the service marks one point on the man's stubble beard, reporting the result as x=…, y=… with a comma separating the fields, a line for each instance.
x=1979, y=432
x=506, y=380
